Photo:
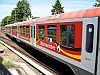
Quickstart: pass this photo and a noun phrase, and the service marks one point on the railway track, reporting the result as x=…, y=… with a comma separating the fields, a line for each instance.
x=49, y=64
x=41, y=67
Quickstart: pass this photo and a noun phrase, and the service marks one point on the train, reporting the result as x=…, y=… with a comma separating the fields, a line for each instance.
x=72, y=38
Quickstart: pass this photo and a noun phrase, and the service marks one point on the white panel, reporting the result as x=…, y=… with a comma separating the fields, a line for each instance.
x=98, y=66
x=98, y=61
x=59, y=56
x=63, y=20
x=88, y=59
x=33, y=39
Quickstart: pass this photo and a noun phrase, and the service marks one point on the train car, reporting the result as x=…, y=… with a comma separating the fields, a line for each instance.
x=9, y=29
x=20, y=31
x=24, y=31
x=71, y=38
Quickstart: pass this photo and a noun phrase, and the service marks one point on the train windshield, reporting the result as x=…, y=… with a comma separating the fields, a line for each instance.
x=67, y=33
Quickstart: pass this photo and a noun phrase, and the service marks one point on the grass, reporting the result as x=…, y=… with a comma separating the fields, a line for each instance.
x=8, y=63
x=1, y=59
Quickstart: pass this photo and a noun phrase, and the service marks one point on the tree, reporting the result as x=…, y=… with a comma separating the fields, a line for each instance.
x=57, y=8
x=15, y=15
x=21, y=12
x=97, y=4
x=6, y=20
x=35, y=17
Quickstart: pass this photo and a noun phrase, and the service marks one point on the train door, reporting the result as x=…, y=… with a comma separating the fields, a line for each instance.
x=89, y=43
x=33, y=32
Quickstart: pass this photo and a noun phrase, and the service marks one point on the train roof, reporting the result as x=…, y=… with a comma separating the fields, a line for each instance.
x=42, y=19
x=9, y=25
x=94, y=12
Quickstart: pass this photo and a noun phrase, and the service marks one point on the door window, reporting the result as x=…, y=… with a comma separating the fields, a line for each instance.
x=89, y=37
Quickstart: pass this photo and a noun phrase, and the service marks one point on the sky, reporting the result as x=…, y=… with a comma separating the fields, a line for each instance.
x=42, y=8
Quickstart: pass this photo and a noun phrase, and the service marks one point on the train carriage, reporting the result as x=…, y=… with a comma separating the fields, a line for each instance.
x=67, y=42
x=71, y=38
x=24, y=31
x=8, y=28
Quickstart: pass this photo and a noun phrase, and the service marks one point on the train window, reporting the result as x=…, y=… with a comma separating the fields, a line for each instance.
x=24, y=32
x=10, y=30
x=34, y=31
x=31, y=31
x=51, y=33
x=41, y=32
x=14, y=29
x=67, y=35
x=63, y=34
x=89, y=38
x=21, y=30
x=27, y=31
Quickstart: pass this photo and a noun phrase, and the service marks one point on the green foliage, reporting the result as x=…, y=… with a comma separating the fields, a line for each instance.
x=22, y=11
x=1, y=59
x=57, y=8
x=97, y=4
x=14, y=15
x=27, y=30
x=21, y=30
x=98, y=1
x=35, y=17
x=6, y=20
x=8, y=63
x=41, y=34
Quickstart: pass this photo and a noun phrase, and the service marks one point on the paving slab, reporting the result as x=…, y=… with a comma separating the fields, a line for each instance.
x=25, y=68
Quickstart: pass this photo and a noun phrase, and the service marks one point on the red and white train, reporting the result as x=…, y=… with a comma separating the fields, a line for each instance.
x=72, y=38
